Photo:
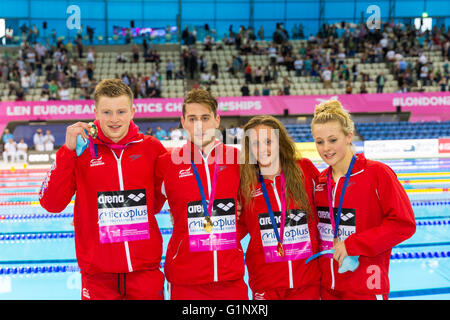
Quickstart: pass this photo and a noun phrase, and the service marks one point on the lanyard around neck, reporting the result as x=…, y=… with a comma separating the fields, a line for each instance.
x=207, y=208
x=93, y=149
x=335, y=224
x=269, y=206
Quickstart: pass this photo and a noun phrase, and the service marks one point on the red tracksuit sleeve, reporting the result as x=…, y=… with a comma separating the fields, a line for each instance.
x=398, y=222
x=158, y=198
x=59, y=185
x=308, y=166
x=242, y=222
x=310, y=172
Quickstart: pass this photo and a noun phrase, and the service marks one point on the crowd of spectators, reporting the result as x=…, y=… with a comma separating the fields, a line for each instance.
x=321, y=57
x=67, y=65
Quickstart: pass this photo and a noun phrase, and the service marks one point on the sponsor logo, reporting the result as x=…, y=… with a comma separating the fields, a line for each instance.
x=260, y=296
x=347, y=216
x=325, y=230
x=104, y=199
x=218, y=223
x=136, y=198
x=225, y=207
x=97, y=162
x=221, y=207
x=256, y=193
x=344, y=233
x=295, y=233
x=296, y=217
x=291, y=233
x=135, y=156
x=319, y=187
x=185, y=173
x=195, y=208
x=265, y=220
x=86, y=293
x=323, y=214
x=114, y=216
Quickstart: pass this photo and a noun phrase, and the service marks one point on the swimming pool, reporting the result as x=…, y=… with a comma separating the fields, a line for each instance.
x=37, y=252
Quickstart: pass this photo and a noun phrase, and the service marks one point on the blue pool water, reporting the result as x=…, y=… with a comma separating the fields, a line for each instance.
x=37, y=252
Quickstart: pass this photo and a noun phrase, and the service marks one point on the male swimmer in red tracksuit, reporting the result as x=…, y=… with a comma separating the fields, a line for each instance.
x=204, y=259
x=376, y=213
x=117, y=240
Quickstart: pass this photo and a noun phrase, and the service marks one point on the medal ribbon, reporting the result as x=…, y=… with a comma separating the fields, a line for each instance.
x=335, y=224
x=207, y=208
x=269, y=207
x=93, y=147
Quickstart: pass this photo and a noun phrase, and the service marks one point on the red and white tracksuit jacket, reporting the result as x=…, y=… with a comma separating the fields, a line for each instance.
x=281, y=274
x=185, y=264
x=376, y=216
x=130, y=169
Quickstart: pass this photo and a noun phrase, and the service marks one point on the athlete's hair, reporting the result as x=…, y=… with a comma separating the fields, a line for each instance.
x=203, y=97
x=332, y=110
x=112, y=88
x=289, y=155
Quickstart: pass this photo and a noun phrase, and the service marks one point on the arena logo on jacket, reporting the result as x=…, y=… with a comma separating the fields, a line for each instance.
x=223, y=233
x=347, y=226
x=122, y=216
x=296, y=239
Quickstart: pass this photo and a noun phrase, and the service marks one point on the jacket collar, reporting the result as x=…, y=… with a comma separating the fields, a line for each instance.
x=131, y=136
x=194, y=152
x=360, y=164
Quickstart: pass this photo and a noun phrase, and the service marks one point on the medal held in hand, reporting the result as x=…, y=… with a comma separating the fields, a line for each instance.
x=93, y=130
x=82, y=143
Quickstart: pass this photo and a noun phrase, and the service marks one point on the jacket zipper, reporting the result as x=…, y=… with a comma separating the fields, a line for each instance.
x=208, y=179
x=331, y=260
x=119, y=169
x=334, y=198
x=291, y=277
x=176, y=254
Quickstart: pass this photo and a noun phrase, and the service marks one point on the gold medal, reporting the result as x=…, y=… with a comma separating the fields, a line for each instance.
x=280, y=249
x=207, y=224
x=93, y=130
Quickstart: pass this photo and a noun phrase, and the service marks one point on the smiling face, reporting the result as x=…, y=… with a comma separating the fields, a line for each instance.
x=114, y=116
x=200, y=124
x=265, y=148
x=332, y=144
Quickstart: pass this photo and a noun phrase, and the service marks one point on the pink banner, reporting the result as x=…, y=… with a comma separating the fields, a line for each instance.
x=423, y=106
